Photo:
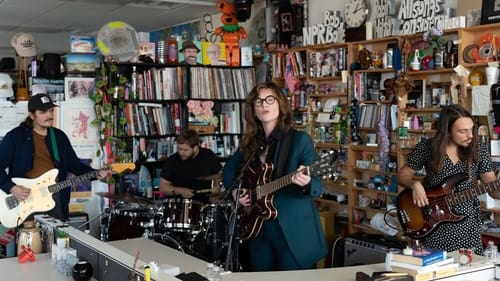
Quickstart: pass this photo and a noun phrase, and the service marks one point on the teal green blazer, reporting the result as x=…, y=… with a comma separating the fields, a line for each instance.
x=297, y=213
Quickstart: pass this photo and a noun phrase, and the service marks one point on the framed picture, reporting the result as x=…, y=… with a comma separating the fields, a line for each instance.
x=490, y=11
x=439, y=93
x=78, y=87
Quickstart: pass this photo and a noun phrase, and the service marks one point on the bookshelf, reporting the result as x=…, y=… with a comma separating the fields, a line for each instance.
x=369, y=83
x=152, y=103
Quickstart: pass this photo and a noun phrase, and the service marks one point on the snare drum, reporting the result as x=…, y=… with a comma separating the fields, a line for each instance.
x=127, y=223
x=181, y=214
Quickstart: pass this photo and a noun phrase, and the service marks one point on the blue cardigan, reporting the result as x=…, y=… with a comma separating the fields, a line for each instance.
x=297, y=213
x=17, y=150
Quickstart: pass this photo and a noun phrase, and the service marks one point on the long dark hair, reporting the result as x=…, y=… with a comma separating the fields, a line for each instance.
x=449, y=115
x=254, y=131
x=28, y=121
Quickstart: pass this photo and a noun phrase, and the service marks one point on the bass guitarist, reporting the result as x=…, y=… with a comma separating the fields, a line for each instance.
x=294, y=239
x=33, y=148
x=453, y=150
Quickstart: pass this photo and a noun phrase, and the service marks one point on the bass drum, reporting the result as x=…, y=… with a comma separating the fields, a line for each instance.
x=127, y=223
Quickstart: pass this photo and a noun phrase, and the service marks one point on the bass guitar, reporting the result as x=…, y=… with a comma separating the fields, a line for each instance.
x=261, y=192
x=13, y=212
x=419, y=222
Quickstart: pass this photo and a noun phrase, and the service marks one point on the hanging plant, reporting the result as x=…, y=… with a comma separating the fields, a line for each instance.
x=109, y=97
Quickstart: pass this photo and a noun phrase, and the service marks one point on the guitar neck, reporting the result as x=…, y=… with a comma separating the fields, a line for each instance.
x=277, y=184
x=463, y=196
x=73, y=181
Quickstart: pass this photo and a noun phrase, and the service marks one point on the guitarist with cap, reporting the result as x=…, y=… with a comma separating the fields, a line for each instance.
x=454, y=161
x=35, y=147
x=291, y=237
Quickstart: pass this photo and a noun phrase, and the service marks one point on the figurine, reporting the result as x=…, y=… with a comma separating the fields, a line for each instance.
x=231, y=32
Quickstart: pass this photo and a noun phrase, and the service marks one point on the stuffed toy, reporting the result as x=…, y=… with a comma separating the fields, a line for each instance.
x=231, y=32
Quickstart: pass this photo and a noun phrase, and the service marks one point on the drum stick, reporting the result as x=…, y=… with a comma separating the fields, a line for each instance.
x=201, y=191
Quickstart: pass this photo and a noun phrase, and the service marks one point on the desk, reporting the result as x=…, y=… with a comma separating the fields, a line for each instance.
x=122, y=253
x=480, y=270
x=41, y=269
x=159, y=253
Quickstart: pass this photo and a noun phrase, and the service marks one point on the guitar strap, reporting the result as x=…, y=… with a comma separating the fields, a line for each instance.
x=284, y=153
x=54, y=145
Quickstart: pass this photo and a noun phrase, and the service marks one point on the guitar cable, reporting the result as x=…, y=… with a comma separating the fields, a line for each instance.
x=390, y=223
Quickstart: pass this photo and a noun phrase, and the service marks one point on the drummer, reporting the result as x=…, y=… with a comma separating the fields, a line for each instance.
x=182, y=171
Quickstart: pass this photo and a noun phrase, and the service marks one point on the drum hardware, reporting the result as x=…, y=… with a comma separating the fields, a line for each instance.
x=125, y=197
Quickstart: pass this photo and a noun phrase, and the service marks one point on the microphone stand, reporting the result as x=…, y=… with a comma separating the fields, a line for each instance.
x=228, y=265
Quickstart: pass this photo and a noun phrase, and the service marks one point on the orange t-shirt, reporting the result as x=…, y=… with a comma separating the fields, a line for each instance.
x=42, y=161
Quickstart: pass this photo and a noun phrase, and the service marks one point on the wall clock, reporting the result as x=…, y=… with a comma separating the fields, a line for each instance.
x=490, y=11
x=356, y=12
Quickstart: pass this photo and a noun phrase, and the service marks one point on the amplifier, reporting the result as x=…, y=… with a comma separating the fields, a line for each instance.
x=362, y=248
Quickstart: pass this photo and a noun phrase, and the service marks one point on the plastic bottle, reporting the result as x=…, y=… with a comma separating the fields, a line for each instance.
x=491, y=251
x=172, y=51
x=133, y=86
x=209, y=271
x=216, y=276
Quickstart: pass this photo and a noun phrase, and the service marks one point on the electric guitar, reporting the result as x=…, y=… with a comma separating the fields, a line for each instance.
x=419, y=222
x=261, y=192
x=13, y=212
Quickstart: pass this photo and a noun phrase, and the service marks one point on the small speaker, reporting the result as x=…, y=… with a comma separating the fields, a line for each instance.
x=361, y=248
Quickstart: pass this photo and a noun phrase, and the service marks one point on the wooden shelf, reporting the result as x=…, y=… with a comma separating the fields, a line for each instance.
x=328, y=95
x=364, y=189
x=400, y=150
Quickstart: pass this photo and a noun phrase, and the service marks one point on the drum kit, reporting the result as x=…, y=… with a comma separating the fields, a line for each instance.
x=183, y=224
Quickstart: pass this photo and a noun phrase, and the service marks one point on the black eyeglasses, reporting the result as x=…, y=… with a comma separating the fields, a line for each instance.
x=269, y=100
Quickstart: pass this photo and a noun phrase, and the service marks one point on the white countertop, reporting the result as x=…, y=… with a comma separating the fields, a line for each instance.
x=41, y=269
x=124, y=251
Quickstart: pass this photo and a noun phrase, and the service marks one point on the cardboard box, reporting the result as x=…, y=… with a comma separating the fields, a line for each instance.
x=203, y=129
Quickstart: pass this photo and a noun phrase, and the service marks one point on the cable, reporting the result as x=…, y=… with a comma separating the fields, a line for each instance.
x=332, y=263
x=390, y=223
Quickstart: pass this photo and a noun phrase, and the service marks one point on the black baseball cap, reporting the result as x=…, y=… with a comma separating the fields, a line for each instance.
x=41, y=102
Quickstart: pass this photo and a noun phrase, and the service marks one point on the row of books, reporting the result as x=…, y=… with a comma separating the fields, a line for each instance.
x=221, y=83
x=423, y=263
x=230, y=118
x=297, y=62
x=370, y=115
x=327, y=63
x=367, y=86
x=158, y=149
x=157, y=84
x=222, y=146
x=149, y=119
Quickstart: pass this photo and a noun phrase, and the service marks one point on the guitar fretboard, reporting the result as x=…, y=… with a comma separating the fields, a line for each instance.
x=273, y=186
x=12, y=202
x=463, y=196
x=76, y=180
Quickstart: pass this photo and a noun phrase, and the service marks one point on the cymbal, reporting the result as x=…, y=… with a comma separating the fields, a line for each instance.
x=124, y=197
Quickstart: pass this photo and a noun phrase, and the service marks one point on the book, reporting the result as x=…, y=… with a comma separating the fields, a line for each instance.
x=429, y=267
x=246, y=56
x=213, y=53
x=422, y=256
x=431, y=274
